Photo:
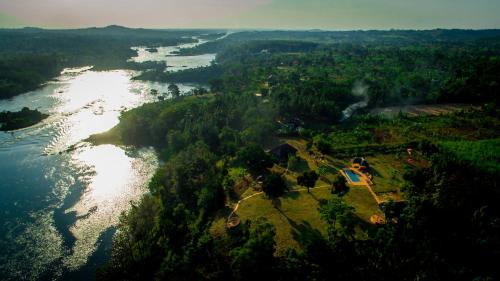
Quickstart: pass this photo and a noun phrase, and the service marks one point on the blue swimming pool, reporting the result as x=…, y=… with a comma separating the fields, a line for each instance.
x=353, y=177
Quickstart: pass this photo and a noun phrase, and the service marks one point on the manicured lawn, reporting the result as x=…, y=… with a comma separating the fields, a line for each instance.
x=361, y=199
x=297, y=213
x=387, y=171
x=292, y=214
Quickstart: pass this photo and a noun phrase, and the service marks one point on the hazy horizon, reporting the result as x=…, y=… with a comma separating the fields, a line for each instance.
x=253, y=14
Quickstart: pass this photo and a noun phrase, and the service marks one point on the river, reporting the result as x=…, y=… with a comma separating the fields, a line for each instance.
x=60, y=197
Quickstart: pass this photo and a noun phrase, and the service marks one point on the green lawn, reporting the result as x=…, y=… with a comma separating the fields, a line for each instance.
x=298, y=212
x=364, y=203
x=387, y=171
x=290, y=214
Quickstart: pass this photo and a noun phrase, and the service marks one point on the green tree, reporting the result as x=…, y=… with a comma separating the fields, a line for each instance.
x=274, y=185
x=174, y=91
x=255, y=159
x=308, y=179
x=255, y=258
x=322, y=143
x=336, y=210
x=339, y=185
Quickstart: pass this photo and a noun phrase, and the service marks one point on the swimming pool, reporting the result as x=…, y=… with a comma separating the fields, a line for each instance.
x=353, y=177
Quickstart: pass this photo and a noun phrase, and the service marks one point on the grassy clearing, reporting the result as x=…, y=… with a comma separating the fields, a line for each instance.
x=291, y=214
x=361, y=199
x=297, y=213
x=420, y=110
x=387, y=171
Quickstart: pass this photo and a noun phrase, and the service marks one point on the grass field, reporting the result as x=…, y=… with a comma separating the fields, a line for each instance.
x=290, y=214
x=297, y=213
x=387, y=171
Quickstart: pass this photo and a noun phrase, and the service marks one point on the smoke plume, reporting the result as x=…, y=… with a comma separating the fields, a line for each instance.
x=359, y=89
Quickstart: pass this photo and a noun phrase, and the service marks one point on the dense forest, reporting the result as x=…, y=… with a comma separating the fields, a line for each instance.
x=446, y=228
x=22, y=73
x=307, y=78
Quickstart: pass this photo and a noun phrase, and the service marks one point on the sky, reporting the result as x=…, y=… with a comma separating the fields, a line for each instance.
x=268, y=14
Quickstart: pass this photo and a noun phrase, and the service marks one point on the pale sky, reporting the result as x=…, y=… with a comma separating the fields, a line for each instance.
x=282, y=14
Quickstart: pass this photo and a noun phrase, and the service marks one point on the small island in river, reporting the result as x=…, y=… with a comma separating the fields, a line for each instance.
x=21, y=119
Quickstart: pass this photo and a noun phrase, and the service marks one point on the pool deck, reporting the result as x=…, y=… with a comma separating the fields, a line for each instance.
x=364, y=181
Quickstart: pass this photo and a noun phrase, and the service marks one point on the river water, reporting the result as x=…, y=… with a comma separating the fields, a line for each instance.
x=60, y=197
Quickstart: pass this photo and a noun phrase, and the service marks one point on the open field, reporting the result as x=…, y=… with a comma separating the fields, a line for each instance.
x=387, y=171
x=419, y=110
x=298, y=212
x=288, y=214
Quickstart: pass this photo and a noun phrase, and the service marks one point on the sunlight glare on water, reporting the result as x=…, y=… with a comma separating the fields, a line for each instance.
x=91, y=103
x=81, y=102
x=93, y=89
x=174, y=63
x=117, y=179
x=60, y=193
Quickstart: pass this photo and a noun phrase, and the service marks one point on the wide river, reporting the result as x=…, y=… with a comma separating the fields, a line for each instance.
x=60, y=197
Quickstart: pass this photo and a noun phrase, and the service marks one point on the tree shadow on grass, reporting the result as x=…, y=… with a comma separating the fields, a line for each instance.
x=314, y=197
x=305, y=234
x=276, y=203
x=292, y=194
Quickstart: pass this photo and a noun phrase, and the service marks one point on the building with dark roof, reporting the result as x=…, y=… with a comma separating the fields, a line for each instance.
x=360, y=163
x=283, y=151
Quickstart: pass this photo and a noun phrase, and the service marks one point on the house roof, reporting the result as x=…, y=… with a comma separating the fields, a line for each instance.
x=283, y=150
x=360, y=161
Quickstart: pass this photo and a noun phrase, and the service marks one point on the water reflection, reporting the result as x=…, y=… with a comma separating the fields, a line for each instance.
x=58, y=194
x=172, y=61
x=91, y=103
x=55, y=207
x=113, y=179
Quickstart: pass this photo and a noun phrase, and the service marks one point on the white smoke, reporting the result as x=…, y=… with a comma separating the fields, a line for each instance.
x=359, y=89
